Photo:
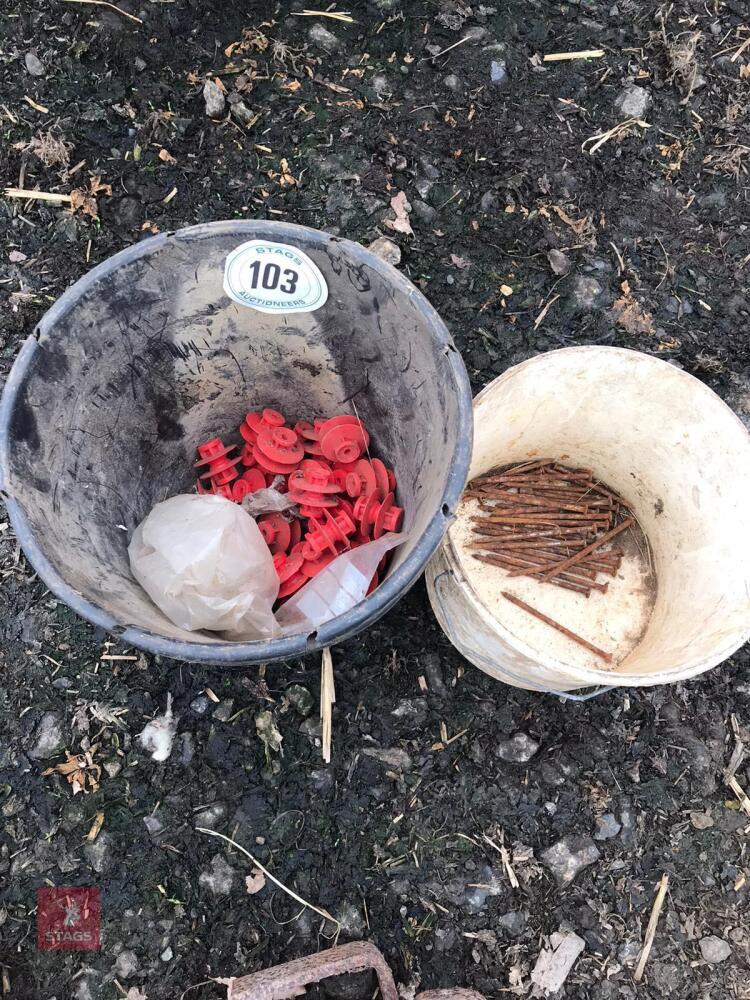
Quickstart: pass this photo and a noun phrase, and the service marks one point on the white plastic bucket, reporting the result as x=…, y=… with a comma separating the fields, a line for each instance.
x=681, y=459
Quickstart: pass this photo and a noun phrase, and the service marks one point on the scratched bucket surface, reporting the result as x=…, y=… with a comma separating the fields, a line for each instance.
x=145, y=357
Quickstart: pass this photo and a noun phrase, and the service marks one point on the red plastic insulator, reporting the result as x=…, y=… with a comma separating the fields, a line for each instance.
x=280, y=444
x=287, y=565
x=343, y=442
x=296, y=547
x=338, y=476
x=223, y=491
x=313, y=448
x=328, y=534
x=269, y=465
x=311, y=567
x=309, y=499
x=246, y=456
x=255, y=479
x=383, y=516
x=212, y=451
x=296, y=526
x=340, y=421
x=240, y=490
x=306, y=430
x=293, y=584
x=381, y=477
x=344, y=504
x=276, y=531
x=391, y=480
x=315, y=478
x=261, y=420
x=362, y=481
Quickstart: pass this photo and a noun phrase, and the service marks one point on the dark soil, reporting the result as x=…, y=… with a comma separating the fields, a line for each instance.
x=653, y=252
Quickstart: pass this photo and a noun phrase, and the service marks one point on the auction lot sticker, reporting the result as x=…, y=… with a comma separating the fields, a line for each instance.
x=274, y=278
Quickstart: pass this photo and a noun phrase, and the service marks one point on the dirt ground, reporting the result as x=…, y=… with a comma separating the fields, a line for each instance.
x=534, y=227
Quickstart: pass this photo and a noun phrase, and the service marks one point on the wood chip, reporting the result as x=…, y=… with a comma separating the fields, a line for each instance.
x=651, y=929
x=567, y=56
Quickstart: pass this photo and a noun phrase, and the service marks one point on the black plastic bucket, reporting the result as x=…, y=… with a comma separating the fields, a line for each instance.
x=147, y=356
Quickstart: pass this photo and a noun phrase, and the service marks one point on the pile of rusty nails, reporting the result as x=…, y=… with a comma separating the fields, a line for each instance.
x=549, y=522
x=283, y=982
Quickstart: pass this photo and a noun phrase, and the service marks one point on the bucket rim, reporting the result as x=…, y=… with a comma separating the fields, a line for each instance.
x=224, y=652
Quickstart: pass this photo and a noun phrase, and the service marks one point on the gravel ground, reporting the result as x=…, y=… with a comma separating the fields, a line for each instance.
x=534, y=227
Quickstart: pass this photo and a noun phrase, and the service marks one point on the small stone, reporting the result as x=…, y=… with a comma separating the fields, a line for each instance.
x=219, y=878
x=311, y=728
x=430, y=664
x=34, y=64
x=322, y=780
x=411, y=708
x=633, y=101
x=488, y=202
x=714, y=949
x=113, y=767
x=324, y=39
x=62, y=683
x=423, y=185
x=586, y=293
x=428, y=169
x=387, y=250
x=514, y=923
x=300, y=699
x=139, y=64
x=126, y=965
x=211, y=816
x=154, y=826
x=477, y=33
x=701, y=821
x=499, y=72
x=213, y=95
x=167, y=955
x=48, y=736
x=569, y=856
x=381, y=86
x=200, y=705
x=559, y=263
x=242, y=113
x=607, y=827
x=224, y=710
x=423, y=211
x=99, y=854
x=351, y=919
x=393, y=757
x=453, y=83
x=518, y=749
x=187, y=748
x=628, y=953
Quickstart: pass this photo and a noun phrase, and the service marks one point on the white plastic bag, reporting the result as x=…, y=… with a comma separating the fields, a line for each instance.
x=205, y=564
x=337, y=588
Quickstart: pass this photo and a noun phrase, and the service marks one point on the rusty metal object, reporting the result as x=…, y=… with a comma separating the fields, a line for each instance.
x=283, y=982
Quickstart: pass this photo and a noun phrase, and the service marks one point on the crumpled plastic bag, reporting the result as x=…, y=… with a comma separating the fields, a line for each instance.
x=203, y=562
x=336, y=589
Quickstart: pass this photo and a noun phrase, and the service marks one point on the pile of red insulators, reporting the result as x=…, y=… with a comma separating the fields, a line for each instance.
x=344, y=497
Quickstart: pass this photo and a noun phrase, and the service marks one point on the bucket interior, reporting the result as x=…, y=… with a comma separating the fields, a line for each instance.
x=146, y=357
x=680, y=458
